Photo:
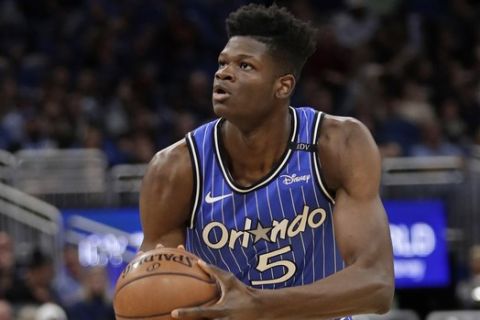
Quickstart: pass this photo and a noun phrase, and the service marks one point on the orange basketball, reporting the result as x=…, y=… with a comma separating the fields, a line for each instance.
x=159, y=281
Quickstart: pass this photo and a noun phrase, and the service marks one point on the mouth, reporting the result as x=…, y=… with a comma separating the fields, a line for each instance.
x=220, y=94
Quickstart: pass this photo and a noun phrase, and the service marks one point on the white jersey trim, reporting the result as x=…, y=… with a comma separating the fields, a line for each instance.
x=198, y=181
x=316, y=160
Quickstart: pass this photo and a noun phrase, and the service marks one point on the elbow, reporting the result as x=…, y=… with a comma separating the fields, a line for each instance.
x=384, y=291
x=379, y=287
x=384, y=302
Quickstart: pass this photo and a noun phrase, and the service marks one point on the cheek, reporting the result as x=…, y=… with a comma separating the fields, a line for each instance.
x=258, y=90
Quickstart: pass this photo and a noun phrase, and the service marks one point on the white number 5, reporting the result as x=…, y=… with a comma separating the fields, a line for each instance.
x=265, y=264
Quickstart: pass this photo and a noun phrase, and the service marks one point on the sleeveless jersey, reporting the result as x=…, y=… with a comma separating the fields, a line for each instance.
x=277, y=233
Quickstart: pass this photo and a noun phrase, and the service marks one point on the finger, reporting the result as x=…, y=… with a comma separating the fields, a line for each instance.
x=181, y=247
x=222, y=277
x=159, y=245
x=198, y=313
x=214, y=270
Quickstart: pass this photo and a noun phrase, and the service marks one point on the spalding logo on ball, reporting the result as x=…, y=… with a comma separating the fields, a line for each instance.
x=159, y=281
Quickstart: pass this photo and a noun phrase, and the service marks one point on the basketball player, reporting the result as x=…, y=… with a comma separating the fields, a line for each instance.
x=270, y=196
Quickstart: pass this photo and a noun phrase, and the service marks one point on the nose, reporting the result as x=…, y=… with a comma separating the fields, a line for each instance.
x=225, y=73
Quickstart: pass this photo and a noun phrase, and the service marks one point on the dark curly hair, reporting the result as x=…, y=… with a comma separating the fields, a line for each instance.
x=290, y=40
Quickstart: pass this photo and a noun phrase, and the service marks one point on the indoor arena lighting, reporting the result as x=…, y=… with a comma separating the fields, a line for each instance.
x=476, y=294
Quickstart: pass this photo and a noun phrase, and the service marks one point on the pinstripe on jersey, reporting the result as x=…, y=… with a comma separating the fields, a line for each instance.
x=276, y=233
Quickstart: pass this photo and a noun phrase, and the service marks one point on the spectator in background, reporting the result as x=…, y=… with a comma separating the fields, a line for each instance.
x=414, y=104
x=198, y=95
x=119, y=108
x=36, y=286
x=27, y=312
x=68, y=281
x=468, y=290
x=315, y=95
x=455, y=127
x=96, y=303
x=184, y=122
x=12, y=118
x=143, y=147
x=394, y=134
x=6, y=312
x=356, y=26
x=50, y=311
x=8, y=274
x=433, y=142
x=476, y=137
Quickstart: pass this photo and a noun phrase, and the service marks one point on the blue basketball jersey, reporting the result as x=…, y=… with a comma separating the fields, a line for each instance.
x=274, y=234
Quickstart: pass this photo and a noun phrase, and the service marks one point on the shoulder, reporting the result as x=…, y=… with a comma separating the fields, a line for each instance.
x=341, y=129
x=344, y=144
x=339, y=135
x=170, y=163
x=175, y=152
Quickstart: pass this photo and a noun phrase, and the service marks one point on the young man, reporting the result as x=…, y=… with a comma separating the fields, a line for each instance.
x=273, y=197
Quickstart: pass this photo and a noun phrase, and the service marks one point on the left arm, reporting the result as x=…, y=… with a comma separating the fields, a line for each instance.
x=366, y=284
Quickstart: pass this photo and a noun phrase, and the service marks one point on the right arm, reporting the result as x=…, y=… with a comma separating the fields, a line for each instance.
x=166, y=197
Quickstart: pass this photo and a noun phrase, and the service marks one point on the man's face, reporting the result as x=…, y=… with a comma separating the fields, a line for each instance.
x=6, y=252
x=42, y=275
x=244, y=84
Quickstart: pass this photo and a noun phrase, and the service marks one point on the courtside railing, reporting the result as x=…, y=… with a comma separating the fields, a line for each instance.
x=70, y=177
x=30, y=221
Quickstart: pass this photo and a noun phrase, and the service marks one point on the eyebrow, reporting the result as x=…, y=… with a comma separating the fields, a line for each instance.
x=237, y=56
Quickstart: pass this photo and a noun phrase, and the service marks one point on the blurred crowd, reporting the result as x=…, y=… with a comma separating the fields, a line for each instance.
x=32, y=287
x=130, y=77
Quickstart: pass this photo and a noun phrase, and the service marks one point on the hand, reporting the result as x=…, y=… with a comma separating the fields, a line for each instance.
x=237, y=301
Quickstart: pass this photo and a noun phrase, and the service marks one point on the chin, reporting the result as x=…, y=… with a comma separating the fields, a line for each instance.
x=231, y=112
x=221, y=110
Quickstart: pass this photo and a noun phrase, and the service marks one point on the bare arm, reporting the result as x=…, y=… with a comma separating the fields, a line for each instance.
x=165, y=197
x=351, y=159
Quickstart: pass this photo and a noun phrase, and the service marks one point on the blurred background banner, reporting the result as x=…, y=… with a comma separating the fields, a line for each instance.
x=419, y=238
x=110, y=237
x=90, y=90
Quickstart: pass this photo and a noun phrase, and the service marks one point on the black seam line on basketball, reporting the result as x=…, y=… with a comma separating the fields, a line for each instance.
x=167, y=313
x=164, y=273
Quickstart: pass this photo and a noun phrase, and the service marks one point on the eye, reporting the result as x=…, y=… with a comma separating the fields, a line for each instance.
x=245, y=66
x=221, y=64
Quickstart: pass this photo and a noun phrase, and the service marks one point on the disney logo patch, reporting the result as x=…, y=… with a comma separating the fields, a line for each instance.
x=294, y=178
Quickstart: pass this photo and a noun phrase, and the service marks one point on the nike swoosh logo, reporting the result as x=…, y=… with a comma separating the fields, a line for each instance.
x=209, y=199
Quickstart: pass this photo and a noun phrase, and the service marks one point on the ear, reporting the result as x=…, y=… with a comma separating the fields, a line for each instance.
x=285, y=86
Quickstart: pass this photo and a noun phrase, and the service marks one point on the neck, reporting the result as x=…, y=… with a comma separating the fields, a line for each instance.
x=251, y=153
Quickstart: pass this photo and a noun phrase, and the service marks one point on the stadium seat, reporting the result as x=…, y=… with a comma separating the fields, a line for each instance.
x=7, y=165
x=454, y=315
x=391, y=315
x=69, y=171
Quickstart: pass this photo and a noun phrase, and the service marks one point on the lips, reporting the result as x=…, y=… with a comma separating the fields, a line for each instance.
x=220, y=93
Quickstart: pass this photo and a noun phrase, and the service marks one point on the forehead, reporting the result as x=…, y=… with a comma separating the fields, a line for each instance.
x=245, y=46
